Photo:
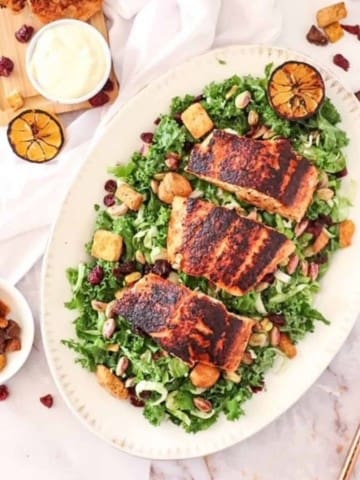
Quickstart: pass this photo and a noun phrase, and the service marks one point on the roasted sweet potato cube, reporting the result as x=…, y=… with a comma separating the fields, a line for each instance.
x=204, y=376
x=107, y=246
x=287, y=346
x=4, y=309
x=333, y=13
x=347, y=230
x=334, y=32
x=129, y=196
x=111, y=382
x=197, y=120
x=13, y=345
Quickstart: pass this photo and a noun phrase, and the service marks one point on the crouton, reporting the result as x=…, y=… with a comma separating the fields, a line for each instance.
x=347, y=230
x=111, y=382
x=129, y=196
x=287, y=346
x=4, y=309
x=107, y=246
x=3, y=361
x=197, y=120
x=334, y=32
x=173, y=185
x=321, y=241
x=331, y=14
x=204, y=376
x=15, y=100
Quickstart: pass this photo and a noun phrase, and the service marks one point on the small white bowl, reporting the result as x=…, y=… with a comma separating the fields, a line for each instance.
x=96, y=34
x=21, y=313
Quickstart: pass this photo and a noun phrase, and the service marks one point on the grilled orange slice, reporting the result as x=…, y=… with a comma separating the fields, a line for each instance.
x=35, y=136
x=296, y=90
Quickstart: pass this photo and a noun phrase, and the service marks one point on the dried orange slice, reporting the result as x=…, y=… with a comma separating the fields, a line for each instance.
x=296, y=90
x=35, y=136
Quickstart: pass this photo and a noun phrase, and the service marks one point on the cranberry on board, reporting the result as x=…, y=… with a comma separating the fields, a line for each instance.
x=341, y=61
x=6, y=66
x=4, y=393
x=47, y=400
x=24, y=33
x=109, y=86
x=99, y=99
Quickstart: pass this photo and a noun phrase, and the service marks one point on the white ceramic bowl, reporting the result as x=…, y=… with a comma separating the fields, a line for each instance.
x=96, y=35
x=21, y=313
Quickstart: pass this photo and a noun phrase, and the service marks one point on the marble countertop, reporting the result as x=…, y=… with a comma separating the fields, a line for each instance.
x=308, y=442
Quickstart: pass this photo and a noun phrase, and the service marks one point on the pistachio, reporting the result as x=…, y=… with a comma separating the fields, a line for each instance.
x=132, y=278
x=304, y=265
x=253, y=118
x=266, y=324
x=261, y=287
x=122, y=366
x=117, y=210
x=161, y=255
x=260, y=132
x=109, y=328
x=120, y=293
x=114, y=347
x=196, y=194
x=178, y=259
x=159, y=176
x=274, y=337
x=325, y=194
x=230, y=93
x=253, y=215
x=173, y=277
x=202, y=404
x=109, y=310
x=154, y=184
x=140, y=257
x=247, y=359
x=259, y=340
x=173, y=160
x=293, y=264
x=98, y=306
x=309, y=251
x=243, y=99
x=130, y=382
x=269, y=134
x=233, y=377
x=313, y=271
x=323, y=180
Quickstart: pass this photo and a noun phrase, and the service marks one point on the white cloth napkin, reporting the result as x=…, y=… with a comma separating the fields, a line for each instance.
x=147, y=37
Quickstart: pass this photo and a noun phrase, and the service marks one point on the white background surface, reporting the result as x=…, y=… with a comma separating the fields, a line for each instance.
x=307, y=443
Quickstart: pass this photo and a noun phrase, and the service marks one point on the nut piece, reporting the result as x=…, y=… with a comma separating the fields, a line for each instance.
x=287, y=346
x=118, y=210
x=129, y=196
x=111, y=382
x=109, y=328
x=173, y=185
x=15, y=100
x=3, y=361
x=140, y=257
x=334, y=32
x=253, y=118
x=132, y=278
x=259, y=340
x=98, y=306
x=275, y=337
x=204, y=376
x=122, y=366
x=333, y=13
x=247, y=359
x=107, y=246
x=197, y=120
x=325, y=194
x=233, y=377
x=347, y=230
x=243, y=99
x=202, y=404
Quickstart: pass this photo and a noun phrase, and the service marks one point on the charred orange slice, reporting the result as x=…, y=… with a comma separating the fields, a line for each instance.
x=35, y=136
x=296, y=90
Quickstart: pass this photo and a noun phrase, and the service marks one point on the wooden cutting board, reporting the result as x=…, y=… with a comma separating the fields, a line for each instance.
x=10, y=47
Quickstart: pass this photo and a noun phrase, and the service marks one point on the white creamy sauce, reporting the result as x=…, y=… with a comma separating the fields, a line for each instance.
x=68, y=61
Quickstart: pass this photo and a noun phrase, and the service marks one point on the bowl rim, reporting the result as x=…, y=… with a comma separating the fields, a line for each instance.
x=26, y=318
x=97, y=34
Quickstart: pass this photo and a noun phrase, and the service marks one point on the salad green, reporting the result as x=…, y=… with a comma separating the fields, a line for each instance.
x=157, y=381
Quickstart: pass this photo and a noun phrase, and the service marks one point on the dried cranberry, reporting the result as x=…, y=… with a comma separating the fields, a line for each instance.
x=315, y=227
x=353, y=29
x=177, y=118
x=118, y=274
x=47, y=400
x=110, y=186
x=341, y=61
x=198, y=98
x=126, y=267
x=157, y=121
x=269, y=278
x=257, y=388
x=357, y=95
x=188, y=146
x=109, y=86
x=147, y=137
x=134, y=399
x=99, y=99
x=24, y=33
x=4, y=393
x=342, y=173
x=277, y=318
x=109, y=200
x=161, y=268
x=6, y=66
x=96, y=275
x=146, y=269
x=321, y=258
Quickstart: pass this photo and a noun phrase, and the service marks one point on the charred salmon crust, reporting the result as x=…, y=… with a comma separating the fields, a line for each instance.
x=232, y=251
x=267, y=173
x=189, y=325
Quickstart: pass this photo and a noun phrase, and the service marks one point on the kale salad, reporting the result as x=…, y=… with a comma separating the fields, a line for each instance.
x=281, y=304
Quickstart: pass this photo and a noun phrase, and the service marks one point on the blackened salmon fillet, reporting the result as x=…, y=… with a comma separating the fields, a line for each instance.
x=187, y=324
x=269, y=174
x=217, y=243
